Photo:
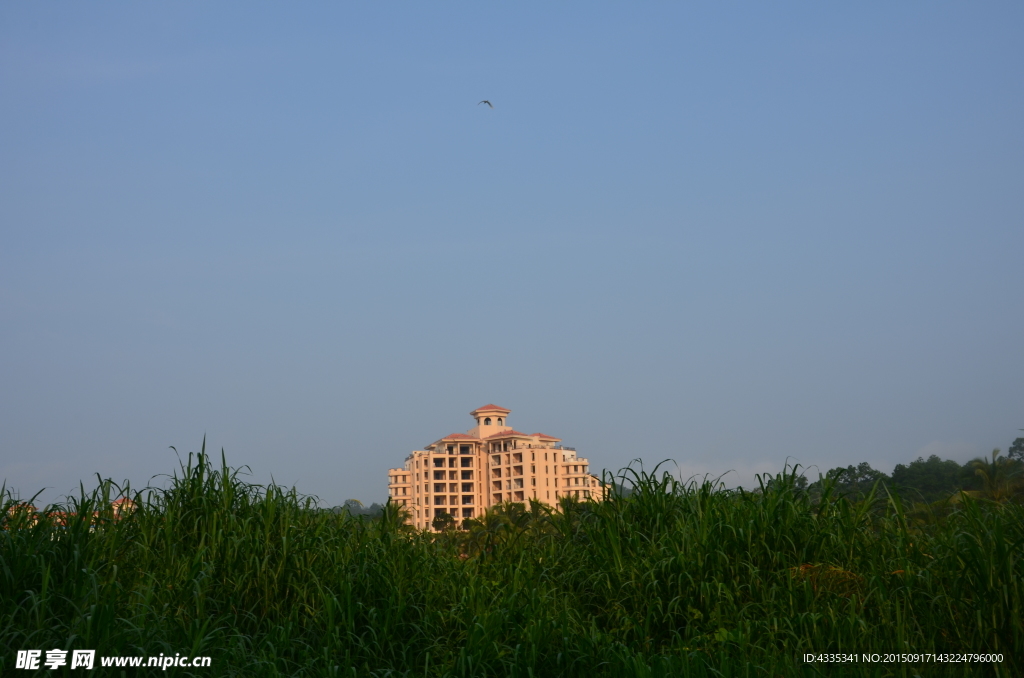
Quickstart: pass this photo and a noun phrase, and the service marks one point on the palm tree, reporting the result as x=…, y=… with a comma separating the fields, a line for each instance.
x=1000, y=477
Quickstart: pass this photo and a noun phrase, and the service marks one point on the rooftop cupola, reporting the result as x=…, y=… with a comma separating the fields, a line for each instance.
x=490, y=419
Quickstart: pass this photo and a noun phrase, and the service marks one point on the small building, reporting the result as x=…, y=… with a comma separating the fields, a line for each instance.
x=463, y=474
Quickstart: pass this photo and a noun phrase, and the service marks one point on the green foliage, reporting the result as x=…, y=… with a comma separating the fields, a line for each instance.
x=1000, y=477
x=669, y=579
x=929, y=480
x=1016, y=451
x=853, y=482
x=354, y=507
x=443, y=522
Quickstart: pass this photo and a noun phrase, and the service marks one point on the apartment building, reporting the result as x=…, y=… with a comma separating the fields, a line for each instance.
x=462, y=474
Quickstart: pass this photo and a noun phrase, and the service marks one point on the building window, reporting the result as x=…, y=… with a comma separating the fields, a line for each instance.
x=464, y=449
x=487, y=421
x=500, y=422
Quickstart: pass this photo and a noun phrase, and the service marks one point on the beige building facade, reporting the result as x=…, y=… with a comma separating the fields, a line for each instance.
x=463, y=474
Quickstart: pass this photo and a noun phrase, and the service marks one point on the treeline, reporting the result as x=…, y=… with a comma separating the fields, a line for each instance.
x=355, y=508
x=998, y=477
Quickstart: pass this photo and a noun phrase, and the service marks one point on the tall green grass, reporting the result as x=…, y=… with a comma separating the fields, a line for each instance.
x=675, y=579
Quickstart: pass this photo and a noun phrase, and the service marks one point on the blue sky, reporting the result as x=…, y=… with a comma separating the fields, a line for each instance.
x=725, y=234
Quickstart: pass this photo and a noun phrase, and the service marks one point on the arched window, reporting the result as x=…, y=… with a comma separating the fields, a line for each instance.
x=487, y=421
x=499, y=422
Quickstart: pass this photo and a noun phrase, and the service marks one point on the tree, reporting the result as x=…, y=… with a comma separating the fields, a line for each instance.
x=355, y=508
x=443, y=522
x=1016, y=451
x=1000, y=477
x=855, y=480
x=929, y=480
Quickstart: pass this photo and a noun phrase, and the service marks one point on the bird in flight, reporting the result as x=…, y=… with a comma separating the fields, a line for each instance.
x=485, y=101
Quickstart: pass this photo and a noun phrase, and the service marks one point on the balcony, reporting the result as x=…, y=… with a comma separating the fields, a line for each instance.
x=467, y=487
x=467, y=475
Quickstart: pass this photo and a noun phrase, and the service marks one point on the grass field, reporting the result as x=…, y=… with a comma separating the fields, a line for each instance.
x=672, y=580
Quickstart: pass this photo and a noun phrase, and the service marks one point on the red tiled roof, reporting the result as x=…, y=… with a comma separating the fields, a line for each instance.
x=545, y=436
x=452, y=436
x=510, y=432
x=490, y=408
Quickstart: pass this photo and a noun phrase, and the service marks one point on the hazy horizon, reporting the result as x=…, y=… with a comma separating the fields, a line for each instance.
x=728, y=235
